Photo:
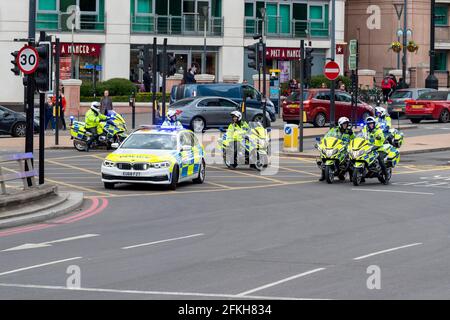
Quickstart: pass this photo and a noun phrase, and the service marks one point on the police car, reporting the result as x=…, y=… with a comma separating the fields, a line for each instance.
x=153, y=155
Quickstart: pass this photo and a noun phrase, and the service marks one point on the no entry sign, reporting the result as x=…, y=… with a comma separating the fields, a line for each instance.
x=28, y=60
x=331, y=70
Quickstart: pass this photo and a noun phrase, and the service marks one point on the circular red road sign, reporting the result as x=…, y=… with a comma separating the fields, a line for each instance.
x=27, y=60
x=331, y=70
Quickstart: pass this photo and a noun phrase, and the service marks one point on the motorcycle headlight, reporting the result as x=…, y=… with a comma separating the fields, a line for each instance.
x=109, y=164
x=357, y=154
x=160, y=165
x=331, y=152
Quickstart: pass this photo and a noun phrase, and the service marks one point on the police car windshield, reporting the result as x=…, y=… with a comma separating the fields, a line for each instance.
x=151, y=141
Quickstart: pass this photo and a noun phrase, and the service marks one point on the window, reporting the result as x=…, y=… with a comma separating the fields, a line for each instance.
x=1, y=113
x=441, y=15
x=441, y=61
x=208, y=103
x=227, y=103
x=323, y=96
x=144, y=6
x=344, y=97
x=88, y=5
x=47, y=5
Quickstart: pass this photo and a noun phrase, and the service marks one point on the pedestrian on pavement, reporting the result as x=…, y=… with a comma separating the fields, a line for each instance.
x=62, y=107
x=190, y=75
x=343, y=87
x=387, y=86
x=49, y=114
x=147, y=79
x=106, y=103
x=323, y=85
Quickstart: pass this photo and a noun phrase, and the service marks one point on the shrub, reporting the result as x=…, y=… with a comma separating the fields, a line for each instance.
x=116, y=87
x=316, y=81
x=140, y=97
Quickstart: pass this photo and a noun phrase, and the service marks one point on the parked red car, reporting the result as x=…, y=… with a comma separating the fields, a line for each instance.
x=317, y=107
x=429, y=106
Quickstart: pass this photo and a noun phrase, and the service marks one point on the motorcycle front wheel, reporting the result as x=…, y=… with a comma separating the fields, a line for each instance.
x=261, y=162
x=356, y=177
x=228, y=164
x=329, y=174
x=79, y=145
x=384, y=179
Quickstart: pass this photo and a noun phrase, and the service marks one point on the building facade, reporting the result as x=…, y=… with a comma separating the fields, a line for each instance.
x=109, y=33
x=375, y=23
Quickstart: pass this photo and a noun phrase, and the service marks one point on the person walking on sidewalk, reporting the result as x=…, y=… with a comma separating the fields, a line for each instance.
x=387, y=85
x=49, y=114
x=106, y=103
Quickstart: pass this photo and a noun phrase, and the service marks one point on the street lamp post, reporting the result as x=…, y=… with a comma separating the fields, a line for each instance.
x=205, y=17
x=72, y=62
x=431, y=81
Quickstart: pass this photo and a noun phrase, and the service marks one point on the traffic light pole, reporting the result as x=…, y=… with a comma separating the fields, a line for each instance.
x=42, y=115
x=333, y=57
x=56, y=91
x=30, y=86
x=264, y=62
x=302, y=78
x=154, y=75
x=164, y=75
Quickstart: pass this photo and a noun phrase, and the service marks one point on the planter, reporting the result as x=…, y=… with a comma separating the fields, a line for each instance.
x=412, y=47
x=396, y=47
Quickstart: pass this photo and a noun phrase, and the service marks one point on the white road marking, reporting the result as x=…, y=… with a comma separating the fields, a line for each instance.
x=39, y=265
x=395, y=191
x=165, y=293
x=388, y=250
x=161, y=241
x=49, y=243
x=245, y=293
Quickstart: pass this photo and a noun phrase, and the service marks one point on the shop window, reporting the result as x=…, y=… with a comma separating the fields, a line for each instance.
x=441, y=61
x=441, y=16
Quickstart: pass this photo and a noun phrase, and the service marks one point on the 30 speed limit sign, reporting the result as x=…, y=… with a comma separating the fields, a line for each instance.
x=28, y=60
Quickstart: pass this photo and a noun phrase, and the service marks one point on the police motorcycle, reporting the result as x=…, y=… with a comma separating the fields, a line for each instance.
x=393, y=136
x=114, y=131
x=333, y=160
x=252, y=145
x=365, y=160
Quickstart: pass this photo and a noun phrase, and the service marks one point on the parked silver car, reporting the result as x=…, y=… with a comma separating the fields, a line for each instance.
x=397, y=102
x=201, y=113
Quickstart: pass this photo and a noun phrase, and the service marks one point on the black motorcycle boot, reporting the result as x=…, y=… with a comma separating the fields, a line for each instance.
x=322, y=176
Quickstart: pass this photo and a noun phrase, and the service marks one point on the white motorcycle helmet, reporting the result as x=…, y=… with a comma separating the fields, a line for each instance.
x=236, y=114
x=171, y=114
x=381, y=111
x=95, y=106
x=343, y=120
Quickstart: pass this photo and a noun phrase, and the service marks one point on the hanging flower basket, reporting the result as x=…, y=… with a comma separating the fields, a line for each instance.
x=412, y=46
x=396, y=46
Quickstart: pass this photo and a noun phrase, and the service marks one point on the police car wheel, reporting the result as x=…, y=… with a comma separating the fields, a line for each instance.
x=201, y=173
x=175, y=175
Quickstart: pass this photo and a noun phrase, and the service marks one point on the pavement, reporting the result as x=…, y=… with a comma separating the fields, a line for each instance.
x=241, y=235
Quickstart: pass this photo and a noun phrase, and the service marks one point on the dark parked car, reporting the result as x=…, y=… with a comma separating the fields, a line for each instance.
x=234, y=91
x=201, y=113
x=14, y=123
x=317, y=107
x=397, y=102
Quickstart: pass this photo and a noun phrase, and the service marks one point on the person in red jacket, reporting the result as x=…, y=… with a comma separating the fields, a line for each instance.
x=388, y=86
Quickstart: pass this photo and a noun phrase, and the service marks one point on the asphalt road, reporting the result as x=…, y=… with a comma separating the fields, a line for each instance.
x=240, y=235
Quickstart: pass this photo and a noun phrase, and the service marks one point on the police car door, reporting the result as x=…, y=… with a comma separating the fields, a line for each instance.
x=187, y=155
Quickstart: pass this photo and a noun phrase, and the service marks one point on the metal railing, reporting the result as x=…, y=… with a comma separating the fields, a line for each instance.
x=57, y=22
x=23, y=174
x=177, y=25
x=286, y=28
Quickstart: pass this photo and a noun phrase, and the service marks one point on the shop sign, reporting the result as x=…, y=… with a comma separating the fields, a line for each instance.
x=283, y=53
x=80, y=49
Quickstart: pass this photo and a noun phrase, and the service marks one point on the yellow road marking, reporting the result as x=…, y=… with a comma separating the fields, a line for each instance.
x=74, y=167
x=249, y=175
x=299, y=171
x=71, y=157
x=80, y=188
x=98, y=157
x=309, y=160
x=218, y=185
x=426, y=170
x=210, y=190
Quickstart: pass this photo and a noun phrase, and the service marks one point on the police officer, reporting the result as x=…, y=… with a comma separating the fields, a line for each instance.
x=92, y=121
x=172, y=121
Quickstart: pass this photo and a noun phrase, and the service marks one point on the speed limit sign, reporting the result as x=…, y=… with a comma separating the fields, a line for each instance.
x=27, y=59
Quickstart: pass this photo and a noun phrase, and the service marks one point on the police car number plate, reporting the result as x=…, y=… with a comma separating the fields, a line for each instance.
x=132, y=174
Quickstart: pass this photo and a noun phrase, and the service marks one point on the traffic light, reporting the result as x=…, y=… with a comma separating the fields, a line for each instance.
x=43, y=74
x=308, y=63
x=171, y=65
x=253, y=56
x=15, y=69
x=144, y=57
